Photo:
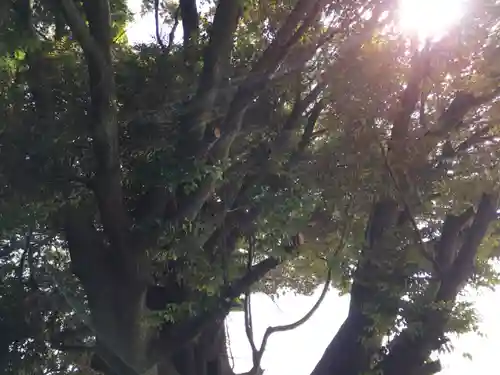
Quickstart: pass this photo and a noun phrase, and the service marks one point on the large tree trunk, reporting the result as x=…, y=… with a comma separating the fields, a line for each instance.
x=117, y=312
x=125, y=342
x=358, y=339
x=115, y=287
x=205, y=356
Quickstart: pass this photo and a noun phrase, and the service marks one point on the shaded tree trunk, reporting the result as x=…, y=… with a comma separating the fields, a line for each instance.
x=376, y=299
x=205, y=356
x=359, y=338
x=117, y=312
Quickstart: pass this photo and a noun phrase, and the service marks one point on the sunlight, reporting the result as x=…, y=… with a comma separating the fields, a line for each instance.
x=429, y=18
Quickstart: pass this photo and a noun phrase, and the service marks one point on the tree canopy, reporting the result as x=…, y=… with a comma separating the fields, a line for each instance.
x=147, y=190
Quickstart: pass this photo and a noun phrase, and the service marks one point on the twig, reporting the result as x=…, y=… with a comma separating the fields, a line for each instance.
x=118, y=37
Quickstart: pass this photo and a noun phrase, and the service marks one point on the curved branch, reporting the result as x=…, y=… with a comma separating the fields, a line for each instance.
x=174, y=28
x=157, y=25
x=81, y=32
x=288, y=327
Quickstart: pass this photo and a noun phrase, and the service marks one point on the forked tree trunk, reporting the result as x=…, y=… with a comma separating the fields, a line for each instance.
x=119, y=317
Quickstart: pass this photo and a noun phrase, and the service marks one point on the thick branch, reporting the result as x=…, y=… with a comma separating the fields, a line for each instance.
x=409, y=351
x=96, y=44
x=159, y=38
x=190, y=21
x=191, y=328
x=216, y=56
x=302, y=16
x=295, y=26
x=82, y=33
x=308, y=134
x=452, y=118
x=283, y=140
x=463, y=267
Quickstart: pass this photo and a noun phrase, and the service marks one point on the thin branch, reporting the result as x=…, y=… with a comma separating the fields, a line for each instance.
x=303, y=14
x=249, y=326
x=293, y=121
x=257, y=354
x=288, y=327
x=247, y=305
x=31, y=264
x=228, y=345
x=174, y=28
x=422, y=116
x=157, y=25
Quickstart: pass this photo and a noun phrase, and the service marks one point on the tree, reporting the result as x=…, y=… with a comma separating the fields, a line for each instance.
x=179, y=177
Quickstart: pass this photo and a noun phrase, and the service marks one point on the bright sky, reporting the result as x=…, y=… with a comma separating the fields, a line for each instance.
x=430, y=18
x=296, y=352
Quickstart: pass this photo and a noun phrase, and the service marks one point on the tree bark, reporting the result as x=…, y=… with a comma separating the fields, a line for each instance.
x=359, y=338
x=205, y=356
x=117, y=313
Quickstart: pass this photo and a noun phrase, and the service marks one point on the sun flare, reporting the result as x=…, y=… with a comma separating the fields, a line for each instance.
x=429, y=18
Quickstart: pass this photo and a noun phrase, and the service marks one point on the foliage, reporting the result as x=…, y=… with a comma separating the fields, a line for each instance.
x=194, y=169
